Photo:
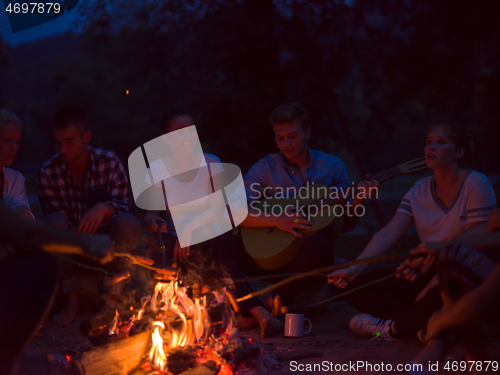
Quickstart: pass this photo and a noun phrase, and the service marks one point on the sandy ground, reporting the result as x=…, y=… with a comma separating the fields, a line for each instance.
x=330, y=343
x=330, y=339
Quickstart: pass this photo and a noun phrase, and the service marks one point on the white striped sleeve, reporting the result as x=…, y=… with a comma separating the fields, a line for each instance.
x=481, y=200
x=405, y=205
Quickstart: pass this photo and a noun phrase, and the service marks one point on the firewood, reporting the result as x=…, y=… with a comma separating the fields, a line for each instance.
x=95, y=324
x=182, y=359
x=237, y=352
x=208, y=368
x=117, y=358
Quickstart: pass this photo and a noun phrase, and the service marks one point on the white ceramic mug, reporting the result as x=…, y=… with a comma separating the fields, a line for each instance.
x=294, y=325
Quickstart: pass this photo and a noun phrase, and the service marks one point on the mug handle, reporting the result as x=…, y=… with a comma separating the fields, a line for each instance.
x=310, y=326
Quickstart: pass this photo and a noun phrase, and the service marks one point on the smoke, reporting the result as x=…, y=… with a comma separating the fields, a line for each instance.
x=206, y=264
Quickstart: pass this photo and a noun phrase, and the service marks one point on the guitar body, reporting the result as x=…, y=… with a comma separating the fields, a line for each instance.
x=271, y=248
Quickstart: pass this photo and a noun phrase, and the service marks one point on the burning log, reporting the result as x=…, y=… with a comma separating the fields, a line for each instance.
x=237, y=352
x=207, y=368
x=182, y=359
x=97, y=328
x=117, y=358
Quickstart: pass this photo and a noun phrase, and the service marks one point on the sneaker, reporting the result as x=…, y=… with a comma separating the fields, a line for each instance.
x=368, y=325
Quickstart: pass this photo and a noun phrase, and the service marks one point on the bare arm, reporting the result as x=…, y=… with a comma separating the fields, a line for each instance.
x=480, y=235
x=379, y=244
x=387, y=237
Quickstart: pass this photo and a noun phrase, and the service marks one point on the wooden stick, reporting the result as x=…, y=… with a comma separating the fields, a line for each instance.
x=257, y=278
x=162, y=244
x=86, y=266
x=291, y=309
x=383, y=258
x=164, y=270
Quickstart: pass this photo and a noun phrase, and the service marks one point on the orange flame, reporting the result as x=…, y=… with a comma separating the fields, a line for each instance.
x=157, y=355
x=194, y=324
x=114, y=324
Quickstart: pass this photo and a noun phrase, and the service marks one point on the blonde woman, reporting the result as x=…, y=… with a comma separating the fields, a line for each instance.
x=442, y=207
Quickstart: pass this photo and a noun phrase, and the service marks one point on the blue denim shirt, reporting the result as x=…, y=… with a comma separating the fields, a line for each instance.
x=273, y=174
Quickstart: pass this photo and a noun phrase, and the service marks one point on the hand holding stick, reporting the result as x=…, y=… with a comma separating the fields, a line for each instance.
x=384, y=258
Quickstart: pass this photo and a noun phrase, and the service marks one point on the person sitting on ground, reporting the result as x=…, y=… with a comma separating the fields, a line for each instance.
x=13, y=192
x=469, y=280
x=85, y=189
x=443, y=207
x=29, y=276
x=294, y=167
x=187, y=175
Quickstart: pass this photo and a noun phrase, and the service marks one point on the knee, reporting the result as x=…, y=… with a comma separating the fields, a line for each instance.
x=58, y=220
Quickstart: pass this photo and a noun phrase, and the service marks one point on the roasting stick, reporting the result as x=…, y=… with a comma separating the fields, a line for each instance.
x=164, y=269
x=162, y=245
x=342, y=295
x=87, y=266
x=267, y=277
x=383, y=258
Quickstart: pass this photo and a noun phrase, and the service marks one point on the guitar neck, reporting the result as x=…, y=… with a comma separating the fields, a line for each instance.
x=387, y=175
x=381, y=178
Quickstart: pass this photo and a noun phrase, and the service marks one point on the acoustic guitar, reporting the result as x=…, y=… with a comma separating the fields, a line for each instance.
x=272, y=248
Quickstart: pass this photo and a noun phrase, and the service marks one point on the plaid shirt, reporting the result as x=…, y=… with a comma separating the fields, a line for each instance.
x=106, y=181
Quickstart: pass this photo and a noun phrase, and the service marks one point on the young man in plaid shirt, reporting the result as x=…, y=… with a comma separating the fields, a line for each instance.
x=84, y=189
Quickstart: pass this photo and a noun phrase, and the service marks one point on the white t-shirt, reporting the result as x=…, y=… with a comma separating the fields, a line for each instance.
x=14, y=192
x=187, y=200
x=437, y=223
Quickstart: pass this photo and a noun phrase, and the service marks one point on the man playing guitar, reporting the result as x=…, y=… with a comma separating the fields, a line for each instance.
x=295, y=166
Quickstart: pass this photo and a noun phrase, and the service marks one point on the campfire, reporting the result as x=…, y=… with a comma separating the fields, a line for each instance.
x=188, y=329
x=184, y=322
